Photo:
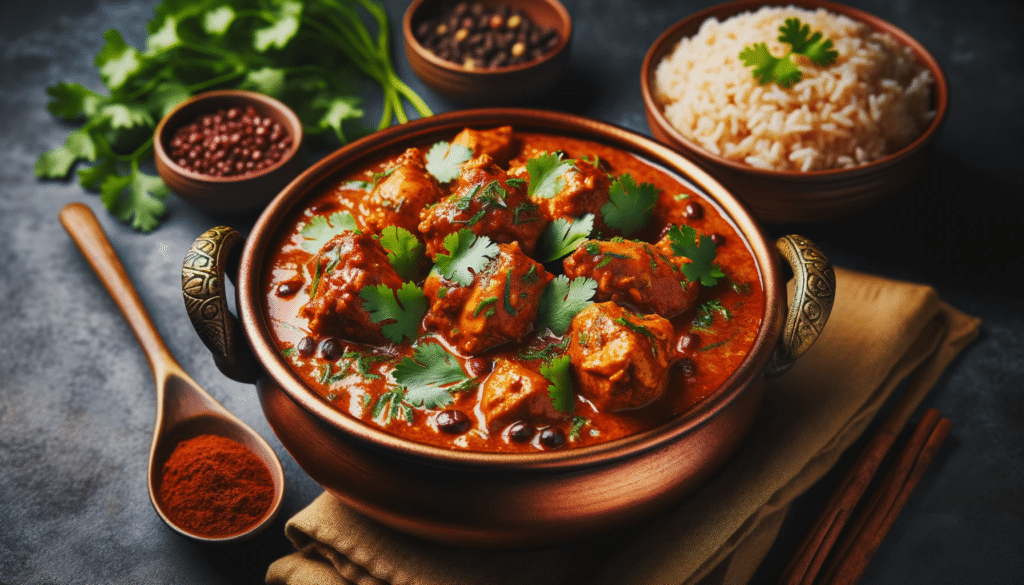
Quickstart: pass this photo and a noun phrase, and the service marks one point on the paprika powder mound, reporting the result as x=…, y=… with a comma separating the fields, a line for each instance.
x=215, y=487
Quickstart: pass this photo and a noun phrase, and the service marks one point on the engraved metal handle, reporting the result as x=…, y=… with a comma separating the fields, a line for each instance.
x=202, y=285
x=810, y=304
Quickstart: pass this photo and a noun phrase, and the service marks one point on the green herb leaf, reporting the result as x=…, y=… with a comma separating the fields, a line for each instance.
x=562, y=236
x=629, y=206
x=72, y=101
x=321, y=229
x=311, y=55
x=405, y=251
x=702, y=268
x=266, y=80
x=127, y=115
x=445, y=160
x=431, y=376
x=562, y=300
x=706, y=314
x=116, y=61
x=560, y=388
x=390, y=405
x=782, y=70
x=217, y=20
x=282, y=28
x=401, y=311
x=547, y=175
x=468, y=255
x=337, y=111
x=57, y=163
x=162, y=38
x=137, y=197
x=813, y=46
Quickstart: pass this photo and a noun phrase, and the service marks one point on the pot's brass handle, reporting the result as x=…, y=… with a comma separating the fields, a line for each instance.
x=202, y=285
x=810, y=304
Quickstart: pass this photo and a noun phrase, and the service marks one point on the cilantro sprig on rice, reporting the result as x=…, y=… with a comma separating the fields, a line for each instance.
x=782, y=70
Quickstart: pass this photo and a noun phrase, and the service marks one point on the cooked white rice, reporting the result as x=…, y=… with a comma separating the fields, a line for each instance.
x=871, y=102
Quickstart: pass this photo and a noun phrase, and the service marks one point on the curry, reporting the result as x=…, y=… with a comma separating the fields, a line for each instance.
x=512, y=291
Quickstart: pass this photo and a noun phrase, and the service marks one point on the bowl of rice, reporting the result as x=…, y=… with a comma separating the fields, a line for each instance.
x=835, y=140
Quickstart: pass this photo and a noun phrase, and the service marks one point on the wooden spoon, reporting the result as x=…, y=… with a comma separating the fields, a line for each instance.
x=184, y=409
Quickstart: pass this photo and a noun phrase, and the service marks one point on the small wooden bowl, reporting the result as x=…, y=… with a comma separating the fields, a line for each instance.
x=794, y=196
x=490, y=86
x=236, y=194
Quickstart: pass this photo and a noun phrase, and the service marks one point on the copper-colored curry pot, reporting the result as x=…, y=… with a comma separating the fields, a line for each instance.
x=475, y=498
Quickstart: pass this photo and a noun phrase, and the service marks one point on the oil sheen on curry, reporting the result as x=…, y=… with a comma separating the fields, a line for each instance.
x=512, y=291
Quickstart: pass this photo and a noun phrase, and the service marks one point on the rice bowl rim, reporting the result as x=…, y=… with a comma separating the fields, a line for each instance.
x=668, y=40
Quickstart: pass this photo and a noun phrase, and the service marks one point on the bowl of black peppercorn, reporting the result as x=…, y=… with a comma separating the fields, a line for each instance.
x=228, y=151
x=487, y=52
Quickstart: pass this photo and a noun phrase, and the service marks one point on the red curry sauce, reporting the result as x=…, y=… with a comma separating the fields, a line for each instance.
x=705, y=342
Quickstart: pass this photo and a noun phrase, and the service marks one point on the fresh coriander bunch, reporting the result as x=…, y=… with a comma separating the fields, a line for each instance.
x=310, y=55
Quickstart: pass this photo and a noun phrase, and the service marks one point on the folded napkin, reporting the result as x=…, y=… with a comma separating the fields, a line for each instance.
x=881, y=334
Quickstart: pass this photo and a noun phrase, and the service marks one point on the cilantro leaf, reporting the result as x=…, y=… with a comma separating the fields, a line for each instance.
x=321, y=229
x=560, y=388
x=405, y=251
x=217, y=21
x=71, y=101
x=768, y=67
x=116, y=61
x=401, y=311
x=629, y=206
x=166, y=96
x=683, y=240
x=312, y=55
x=281, y=29
x=163, y=38
x=430, y=376
x=390, y=405
x=547, y=175
x=562, y=300
x=57, y=163
x=468, y=254
x=266, y=80
x=336, y=111
x=137, y=197
x=562, y=236
x=783, y=70
x=127, y=115
x=445, y=161
x=813, y=46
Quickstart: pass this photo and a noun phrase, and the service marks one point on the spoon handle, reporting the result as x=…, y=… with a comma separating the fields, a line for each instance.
x=87, y=233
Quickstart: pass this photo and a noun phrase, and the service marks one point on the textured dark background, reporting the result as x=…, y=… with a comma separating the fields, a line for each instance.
x=76, y=394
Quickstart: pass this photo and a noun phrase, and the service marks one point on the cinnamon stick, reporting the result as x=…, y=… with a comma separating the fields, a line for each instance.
x=806, y=563
x=873, y=524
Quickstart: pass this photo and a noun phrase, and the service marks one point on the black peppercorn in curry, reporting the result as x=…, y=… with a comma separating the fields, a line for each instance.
x=512, y=291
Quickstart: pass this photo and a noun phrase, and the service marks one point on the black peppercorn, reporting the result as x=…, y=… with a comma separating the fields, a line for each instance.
x=474, y=35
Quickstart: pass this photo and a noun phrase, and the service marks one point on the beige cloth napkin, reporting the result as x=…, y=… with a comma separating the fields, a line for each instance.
x=881, y=333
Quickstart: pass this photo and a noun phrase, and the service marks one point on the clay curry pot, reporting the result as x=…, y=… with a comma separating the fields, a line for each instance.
x=500, y=499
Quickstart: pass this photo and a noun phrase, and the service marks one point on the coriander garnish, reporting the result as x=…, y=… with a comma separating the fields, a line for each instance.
x=782, y=70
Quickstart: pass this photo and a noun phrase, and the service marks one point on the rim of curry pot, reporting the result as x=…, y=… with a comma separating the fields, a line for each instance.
x=368, y=148
x=667, y=41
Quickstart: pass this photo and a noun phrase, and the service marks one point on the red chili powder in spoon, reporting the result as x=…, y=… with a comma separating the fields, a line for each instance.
x=215, y=487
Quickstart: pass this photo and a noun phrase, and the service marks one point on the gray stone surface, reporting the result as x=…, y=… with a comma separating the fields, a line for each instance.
x=76, y=394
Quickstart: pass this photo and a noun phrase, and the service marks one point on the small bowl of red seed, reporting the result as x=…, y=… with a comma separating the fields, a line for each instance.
x=487, y=52
x=228, y=151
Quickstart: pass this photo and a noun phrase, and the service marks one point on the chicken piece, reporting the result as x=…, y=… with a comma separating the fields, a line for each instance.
x=347, y=263
x=485, y=201
x=583, y=188
x=400, y=196
x=499, y=305
x=633, y=273
x=512, y=392
x=621, y=359
x=497, y=143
